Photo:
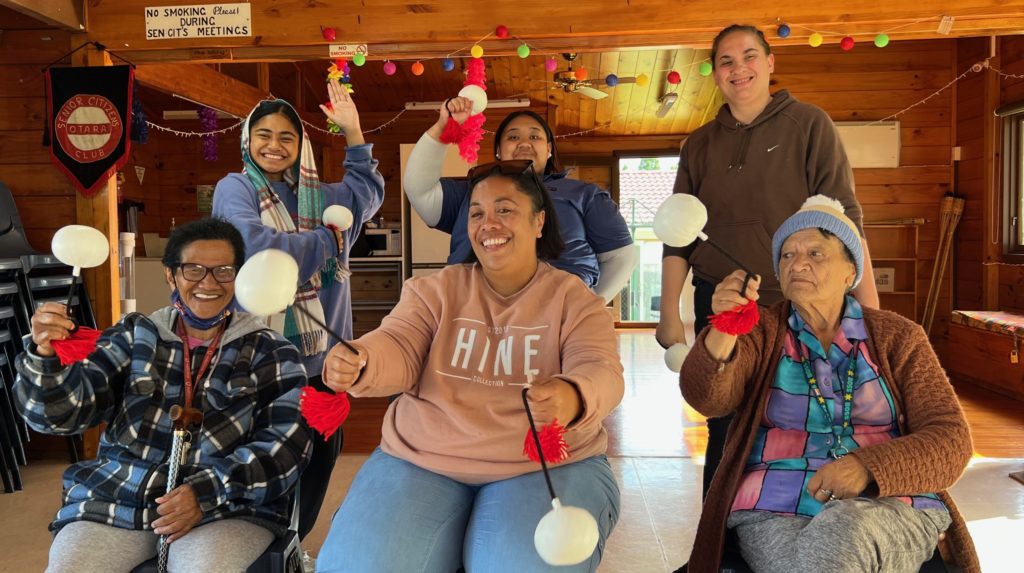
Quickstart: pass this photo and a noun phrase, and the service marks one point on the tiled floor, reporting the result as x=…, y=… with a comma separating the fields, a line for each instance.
x=654, y=439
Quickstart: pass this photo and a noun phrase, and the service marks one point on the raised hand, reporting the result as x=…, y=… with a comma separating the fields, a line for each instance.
x=343, y=112
x=50, y=322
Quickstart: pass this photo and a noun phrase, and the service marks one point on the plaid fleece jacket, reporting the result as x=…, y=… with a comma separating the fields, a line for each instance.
x=248, y=454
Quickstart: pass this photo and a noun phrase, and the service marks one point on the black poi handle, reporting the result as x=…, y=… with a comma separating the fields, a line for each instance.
x=736, y=262
x=536, y=441
x=70, y=299
x=326, y=328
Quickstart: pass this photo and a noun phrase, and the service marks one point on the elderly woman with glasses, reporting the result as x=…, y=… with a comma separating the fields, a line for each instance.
x=449, y=485
x=239, y=382
x=846, y=433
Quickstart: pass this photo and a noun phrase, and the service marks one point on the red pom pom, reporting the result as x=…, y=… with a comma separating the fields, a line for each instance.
x=324, y=411
x=737, y=321
x=476, y=73
x=78, y=346
x=501, y=31
x=452, y=132
x=552, y=443
x=846, y=43
x=330, y=34
x=674, y=77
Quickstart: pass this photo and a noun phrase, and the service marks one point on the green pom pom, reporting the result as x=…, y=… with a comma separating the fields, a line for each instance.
x=705, y=68
x=882, y=40
x=358, y=59
x=523, y=50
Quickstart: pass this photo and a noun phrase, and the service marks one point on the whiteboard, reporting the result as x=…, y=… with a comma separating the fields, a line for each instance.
x=871, y=144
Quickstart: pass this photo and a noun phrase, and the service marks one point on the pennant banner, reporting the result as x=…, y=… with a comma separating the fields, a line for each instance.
x=88, y=115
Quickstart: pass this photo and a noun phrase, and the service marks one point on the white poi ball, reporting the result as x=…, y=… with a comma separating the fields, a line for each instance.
x=676, y=355
x=477, y=95
x=339, y=216
x=680, y=220
x=80, y=246
x=566, y=535
x=267, y=282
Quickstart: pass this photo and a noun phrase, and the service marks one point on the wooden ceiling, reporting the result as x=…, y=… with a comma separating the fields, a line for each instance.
x=628, y=110
x=651, y=37
x=291, y=29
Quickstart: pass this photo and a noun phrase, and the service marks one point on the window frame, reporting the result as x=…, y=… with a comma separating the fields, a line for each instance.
x=1012, y=180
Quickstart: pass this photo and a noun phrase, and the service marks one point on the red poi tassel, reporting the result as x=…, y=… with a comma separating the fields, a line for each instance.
x=552, y=442
x=737, y=321
x=78, y=346
x=324, y=411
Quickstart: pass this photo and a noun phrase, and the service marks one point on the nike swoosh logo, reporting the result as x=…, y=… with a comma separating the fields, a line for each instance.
x=772, y=147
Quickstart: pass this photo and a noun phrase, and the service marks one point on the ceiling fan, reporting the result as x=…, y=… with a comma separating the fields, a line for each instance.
x=567, y=81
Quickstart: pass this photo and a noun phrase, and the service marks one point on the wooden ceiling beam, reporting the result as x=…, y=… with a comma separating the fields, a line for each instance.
x=399, y=29
x=202, y=84
x=211, y=88
x=66, y=14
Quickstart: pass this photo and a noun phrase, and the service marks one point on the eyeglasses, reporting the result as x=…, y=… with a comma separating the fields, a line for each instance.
x=195, y=272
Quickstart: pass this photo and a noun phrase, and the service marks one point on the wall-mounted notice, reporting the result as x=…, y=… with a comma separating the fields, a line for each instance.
x=346, y=50
x=198, y=21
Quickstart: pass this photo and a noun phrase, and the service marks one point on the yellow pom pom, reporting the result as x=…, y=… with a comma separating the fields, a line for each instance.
x=815, y=40
x=642, y=80
x=477, y=51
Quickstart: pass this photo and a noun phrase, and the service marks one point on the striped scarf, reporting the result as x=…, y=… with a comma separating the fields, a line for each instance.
x=299, y=328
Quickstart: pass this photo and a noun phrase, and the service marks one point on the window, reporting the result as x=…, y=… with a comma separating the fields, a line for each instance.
x=643, y=183
x=1012, y=180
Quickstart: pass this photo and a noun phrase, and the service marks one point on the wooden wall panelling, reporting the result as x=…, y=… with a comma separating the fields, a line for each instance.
x=874, y=85
x=44, y=196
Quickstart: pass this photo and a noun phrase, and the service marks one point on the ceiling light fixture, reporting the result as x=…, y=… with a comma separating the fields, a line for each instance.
x=173, y=114
x=666, y=101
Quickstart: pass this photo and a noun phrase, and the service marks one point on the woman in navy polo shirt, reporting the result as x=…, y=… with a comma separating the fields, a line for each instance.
x=599, y=248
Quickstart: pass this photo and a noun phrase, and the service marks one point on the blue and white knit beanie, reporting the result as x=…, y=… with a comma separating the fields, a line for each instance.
x=821, y=212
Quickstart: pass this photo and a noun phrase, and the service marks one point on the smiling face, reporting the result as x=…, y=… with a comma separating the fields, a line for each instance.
x=503, y=228
x=814, y=268
x=742, y=68
x=206, y=298
x=274, y=145
x=524, y=138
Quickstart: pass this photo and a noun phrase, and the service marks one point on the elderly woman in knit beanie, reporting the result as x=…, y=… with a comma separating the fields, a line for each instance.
x=846, y=431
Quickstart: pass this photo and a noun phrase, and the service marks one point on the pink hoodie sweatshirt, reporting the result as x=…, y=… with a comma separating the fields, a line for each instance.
x=460, y=353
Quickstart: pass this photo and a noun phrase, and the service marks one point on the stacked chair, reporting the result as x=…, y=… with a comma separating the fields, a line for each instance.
x=27, y=279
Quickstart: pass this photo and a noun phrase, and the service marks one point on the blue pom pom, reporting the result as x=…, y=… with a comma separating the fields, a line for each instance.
x=448, y=64
x=784, y=30
x=611, y=81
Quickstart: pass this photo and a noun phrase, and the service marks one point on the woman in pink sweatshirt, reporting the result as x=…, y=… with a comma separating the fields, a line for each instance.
x=449, y=486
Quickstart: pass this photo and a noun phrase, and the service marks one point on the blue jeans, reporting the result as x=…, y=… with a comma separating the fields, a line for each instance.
x=400, y=517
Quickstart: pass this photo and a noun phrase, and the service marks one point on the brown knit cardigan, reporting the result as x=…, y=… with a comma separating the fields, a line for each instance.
x=929, y=456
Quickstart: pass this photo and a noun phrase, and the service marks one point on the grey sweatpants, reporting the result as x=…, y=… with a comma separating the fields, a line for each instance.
x=229, y=545
x=858, y=535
